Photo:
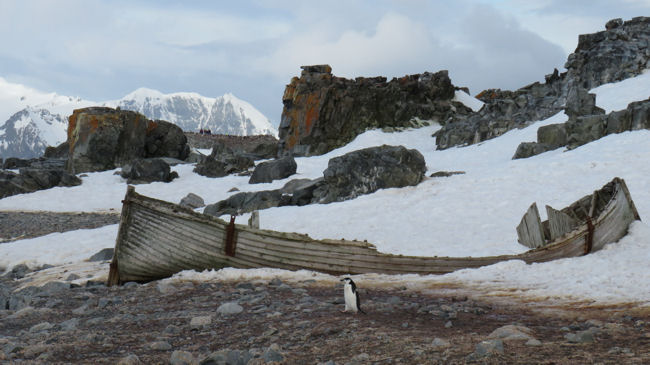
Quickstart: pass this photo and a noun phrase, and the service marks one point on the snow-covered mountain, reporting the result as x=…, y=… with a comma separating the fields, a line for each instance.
x=226, y=114
x=31, y=120
x=27, y=133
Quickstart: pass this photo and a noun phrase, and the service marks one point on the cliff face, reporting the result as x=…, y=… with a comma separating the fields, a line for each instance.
x=323, y=112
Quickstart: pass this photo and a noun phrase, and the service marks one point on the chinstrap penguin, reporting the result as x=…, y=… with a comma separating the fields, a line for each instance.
x=351, y=296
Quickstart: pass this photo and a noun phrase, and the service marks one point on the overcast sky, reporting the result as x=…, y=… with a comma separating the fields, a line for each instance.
x=102, y=50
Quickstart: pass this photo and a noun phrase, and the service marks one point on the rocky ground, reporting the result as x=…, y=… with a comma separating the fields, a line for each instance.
x=20, y=225
x=267, y=321
x=244, y=143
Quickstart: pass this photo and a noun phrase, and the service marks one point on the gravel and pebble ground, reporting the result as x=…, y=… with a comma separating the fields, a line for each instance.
x=20, y=225
x=258, y=322
x=261, y=322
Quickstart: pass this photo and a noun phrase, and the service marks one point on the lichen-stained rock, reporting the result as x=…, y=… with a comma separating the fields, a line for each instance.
x=323, y=112
x=368, y=170
x=102, y=138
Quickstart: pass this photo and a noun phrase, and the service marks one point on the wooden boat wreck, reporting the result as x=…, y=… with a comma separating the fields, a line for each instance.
x=157, y=239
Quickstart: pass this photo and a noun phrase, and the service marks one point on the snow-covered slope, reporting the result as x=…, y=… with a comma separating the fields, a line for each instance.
x=222, y=115
x=31, y=120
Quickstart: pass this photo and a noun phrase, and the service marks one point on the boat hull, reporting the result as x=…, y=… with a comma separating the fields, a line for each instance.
x=157, y=239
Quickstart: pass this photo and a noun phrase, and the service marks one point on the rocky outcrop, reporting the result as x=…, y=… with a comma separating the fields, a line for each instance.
x=580, y=130
x=144, y=171
x=617, y=53
x=223, y=161
x=505, y=110
x=268, y=171
x=346, y=177
x=104, y=138
x=323, y=112
x=31, y=179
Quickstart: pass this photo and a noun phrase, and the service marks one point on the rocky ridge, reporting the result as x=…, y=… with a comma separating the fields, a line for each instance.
x=621, y=51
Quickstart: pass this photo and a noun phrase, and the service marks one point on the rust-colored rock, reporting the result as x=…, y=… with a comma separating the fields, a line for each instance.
x=323, y=112
x=102, y=138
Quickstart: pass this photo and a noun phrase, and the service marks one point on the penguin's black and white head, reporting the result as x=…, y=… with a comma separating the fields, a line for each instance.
x=348, y=281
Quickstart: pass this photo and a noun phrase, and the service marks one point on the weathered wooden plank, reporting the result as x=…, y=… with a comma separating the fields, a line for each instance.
x=529, y=230
x=559, y=223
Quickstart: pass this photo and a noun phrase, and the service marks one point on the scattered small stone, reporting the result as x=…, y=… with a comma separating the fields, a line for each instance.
x=181, y=358
x=511, y=332
x=439, y=344
x=230, y=308
x=166, y=287
x=580, y=337
x=200, y=321
x=43, y=326
x=173, y=330
x=69, y=325
x=95, y=321
x=232, y=190
x=533, y=342
x=160, y=346
x=31, y=352
x=130, y=284
x=130, y=360
x=72, y=277
x=449, y=324
x=81, y=310
x=488, y=347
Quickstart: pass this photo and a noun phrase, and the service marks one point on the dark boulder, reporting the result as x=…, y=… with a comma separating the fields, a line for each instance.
x=247, y=202
x=529, y=149
x=104, y=255
x=323, y=112
x=266, y=172
x=192, y=201
x=144, y=171
x=164, y=139
x=223, y=161
x=368, y=170
x=104, y=138
x=29, y=180
x=301, y=190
